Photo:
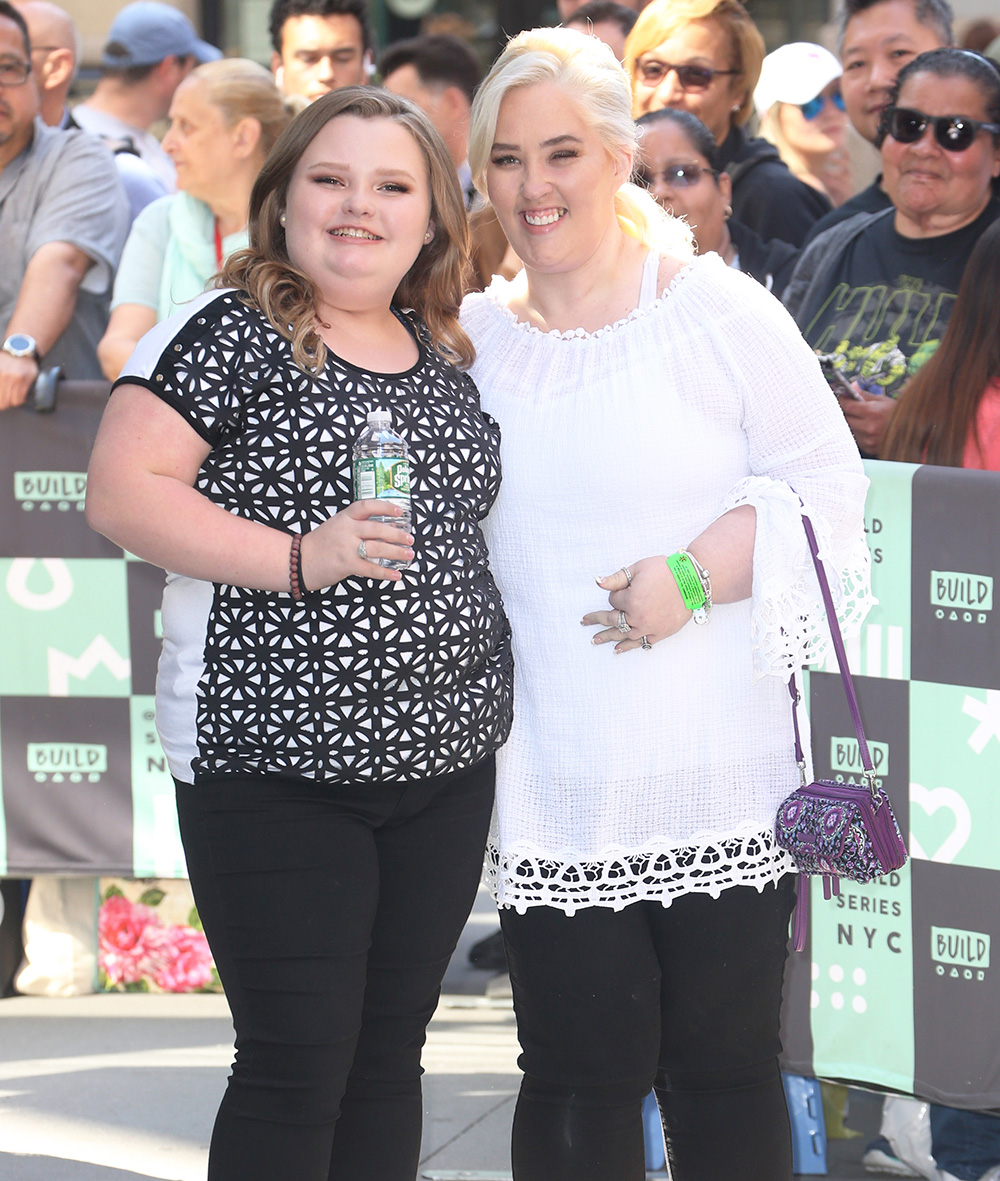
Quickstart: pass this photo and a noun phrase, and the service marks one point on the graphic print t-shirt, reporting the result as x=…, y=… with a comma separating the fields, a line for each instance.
x=889, y=300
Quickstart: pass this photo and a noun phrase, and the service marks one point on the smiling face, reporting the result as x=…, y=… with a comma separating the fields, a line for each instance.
x=319, y=54
x=704, y=203
x=357, y=209
x=551, y=180
x=699, y=43
x=930, y=186
x=824, y=133
x=878, y=42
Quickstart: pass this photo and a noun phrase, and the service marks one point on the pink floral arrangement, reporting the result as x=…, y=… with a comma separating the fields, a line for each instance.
x=135, y=948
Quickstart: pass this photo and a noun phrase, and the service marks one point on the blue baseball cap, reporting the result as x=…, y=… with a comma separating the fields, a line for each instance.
x=146, y=32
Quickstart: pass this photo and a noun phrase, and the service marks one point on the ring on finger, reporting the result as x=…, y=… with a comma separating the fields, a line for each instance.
x=628, y=574
x=362, y=550
x=623, y=624
x=646, y=645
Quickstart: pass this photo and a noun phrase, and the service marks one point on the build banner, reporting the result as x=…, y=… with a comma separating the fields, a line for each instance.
x=85, y=786
x=899, y=985
x=896, y=988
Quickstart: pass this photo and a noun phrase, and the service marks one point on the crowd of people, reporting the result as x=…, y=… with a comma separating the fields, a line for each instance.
x=553, y=277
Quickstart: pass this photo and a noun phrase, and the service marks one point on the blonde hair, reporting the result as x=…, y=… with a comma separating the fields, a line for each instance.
x=662, y=19
x=242, y=89
x=771, y=130
x=433, y=286
x=592, y=76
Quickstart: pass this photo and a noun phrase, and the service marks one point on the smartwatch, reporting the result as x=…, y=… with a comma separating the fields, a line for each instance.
x=20, y=344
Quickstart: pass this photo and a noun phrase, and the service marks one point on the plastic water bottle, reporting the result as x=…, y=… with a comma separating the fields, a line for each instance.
x=382, y=472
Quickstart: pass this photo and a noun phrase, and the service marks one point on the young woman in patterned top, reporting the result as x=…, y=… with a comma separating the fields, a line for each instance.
x=330, y=723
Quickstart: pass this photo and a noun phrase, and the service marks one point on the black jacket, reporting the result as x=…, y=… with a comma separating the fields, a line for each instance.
x=766, y=196
x=770, y=263
x=871, y=200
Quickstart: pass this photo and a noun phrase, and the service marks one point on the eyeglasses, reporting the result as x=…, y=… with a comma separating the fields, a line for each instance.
x=954, y=133
x=652, y=73
x=812, y=108
x=674, y=176
x=14, y=72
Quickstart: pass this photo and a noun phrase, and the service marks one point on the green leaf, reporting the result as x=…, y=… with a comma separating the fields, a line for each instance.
x=138, y=986
x=152, y=897
x=194, y=919
x=113, y=892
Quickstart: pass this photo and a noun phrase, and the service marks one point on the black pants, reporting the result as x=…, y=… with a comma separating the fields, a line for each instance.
x=684, y=999
x=332, y=912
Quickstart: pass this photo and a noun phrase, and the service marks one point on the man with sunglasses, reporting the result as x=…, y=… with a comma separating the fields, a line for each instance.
x=63, y=218
x=876, y=290
x=877, y=38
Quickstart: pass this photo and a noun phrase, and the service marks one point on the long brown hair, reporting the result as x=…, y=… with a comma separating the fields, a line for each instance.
x=433, y=286
x=936, y=409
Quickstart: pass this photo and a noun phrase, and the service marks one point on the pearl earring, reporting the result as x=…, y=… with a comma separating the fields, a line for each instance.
x=428, y=236
x=282, y=219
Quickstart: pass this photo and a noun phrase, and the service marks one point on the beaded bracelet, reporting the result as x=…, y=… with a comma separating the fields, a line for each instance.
x=295, y=583
x=693, y=582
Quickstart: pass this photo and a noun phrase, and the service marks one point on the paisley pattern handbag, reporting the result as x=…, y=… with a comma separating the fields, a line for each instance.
x=839, y=830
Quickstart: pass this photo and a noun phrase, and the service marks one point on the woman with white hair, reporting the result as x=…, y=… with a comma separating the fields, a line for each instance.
x=802, y=113
x=660, y=418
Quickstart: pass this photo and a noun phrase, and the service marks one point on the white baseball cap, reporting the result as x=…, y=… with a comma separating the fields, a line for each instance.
x=794, y=73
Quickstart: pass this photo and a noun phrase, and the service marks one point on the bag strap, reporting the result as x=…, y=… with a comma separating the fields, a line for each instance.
x=845, y=672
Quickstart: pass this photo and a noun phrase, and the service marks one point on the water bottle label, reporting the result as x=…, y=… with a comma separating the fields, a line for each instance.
x=383, y=479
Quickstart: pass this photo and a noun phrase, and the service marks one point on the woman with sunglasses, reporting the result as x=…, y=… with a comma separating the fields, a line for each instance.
x=676, y=164
x=802, y=113
x=877, y=290
x=704, y=56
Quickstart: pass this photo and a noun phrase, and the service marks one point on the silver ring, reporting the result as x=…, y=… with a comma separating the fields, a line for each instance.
x=646, y=645
x=628, y=574
x=623, y=624
x=362, y=550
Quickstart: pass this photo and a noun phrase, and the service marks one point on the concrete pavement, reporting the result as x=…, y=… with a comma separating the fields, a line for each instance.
x=125, y=1087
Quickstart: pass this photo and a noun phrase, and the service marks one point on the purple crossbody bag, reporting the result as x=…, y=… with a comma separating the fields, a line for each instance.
x=839, y=830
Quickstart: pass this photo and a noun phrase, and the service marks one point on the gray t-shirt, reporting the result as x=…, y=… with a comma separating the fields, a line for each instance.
x=64, y=187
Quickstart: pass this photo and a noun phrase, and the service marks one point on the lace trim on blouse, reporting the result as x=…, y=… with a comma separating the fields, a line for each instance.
x=496, y=294
x=521, y=877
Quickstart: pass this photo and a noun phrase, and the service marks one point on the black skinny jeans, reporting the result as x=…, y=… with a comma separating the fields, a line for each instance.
x=332, y=912
x=684, y=999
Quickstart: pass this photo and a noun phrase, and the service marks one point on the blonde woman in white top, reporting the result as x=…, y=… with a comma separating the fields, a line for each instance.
x=649, y=402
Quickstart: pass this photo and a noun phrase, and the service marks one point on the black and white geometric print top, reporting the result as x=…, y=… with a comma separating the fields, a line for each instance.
x=378, y=681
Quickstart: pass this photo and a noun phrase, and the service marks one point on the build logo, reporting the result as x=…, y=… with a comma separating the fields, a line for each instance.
x=62, y=762
x=845, y=756
x=961, y=955
x=46, y=491
x=961, y=597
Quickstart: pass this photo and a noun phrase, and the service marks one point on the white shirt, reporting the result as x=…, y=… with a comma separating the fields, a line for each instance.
x=653, y=774
x=145, y=143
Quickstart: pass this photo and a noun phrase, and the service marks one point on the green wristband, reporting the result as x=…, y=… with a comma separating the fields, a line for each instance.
x=688, y=582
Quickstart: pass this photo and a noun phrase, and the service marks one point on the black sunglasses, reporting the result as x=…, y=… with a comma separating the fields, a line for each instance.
x=954, y=133
x=652, y=73
x=675, y=176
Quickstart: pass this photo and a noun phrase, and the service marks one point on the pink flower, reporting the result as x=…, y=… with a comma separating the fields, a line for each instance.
x=121, y=939
x=179, y=958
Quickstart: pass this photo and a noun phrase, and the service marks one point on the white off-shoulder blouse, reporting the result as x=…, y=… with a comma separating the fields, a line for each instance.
x=653, y=774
